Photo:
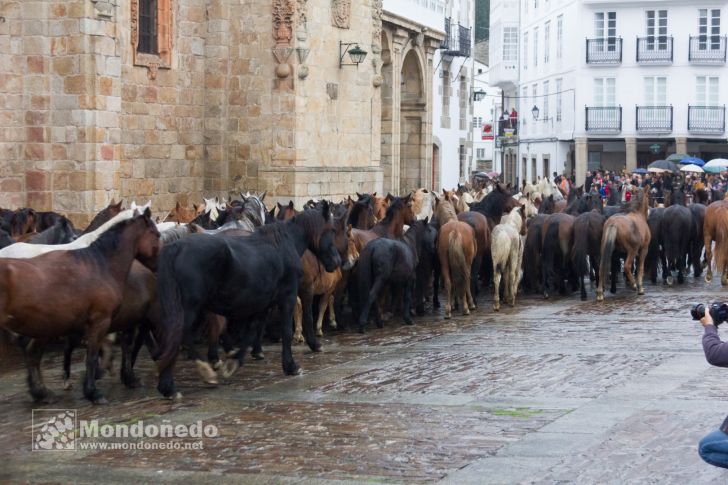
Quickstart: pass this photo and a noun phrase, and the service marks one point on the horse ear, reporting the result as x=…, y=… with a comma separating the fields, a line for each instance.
x=262, y=196
x=425, y=191
x=178, y=205
x=374, y=194
x=359, y=195
x=147, y=212
x=325, y=209
x=290, y=205
x=389, y=197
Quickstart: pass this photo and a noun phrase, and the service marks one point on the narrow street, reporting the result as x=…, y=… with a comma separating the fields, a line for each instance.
x=550, y=392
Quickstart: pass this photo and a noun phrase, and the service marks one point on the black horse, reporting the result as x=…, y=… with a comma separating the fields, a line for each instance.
x=361, y=215
x=240, y=278
x=61, y=232
x=656, y=251
x=498, y=202
x=588, y=229
x=696, y=238
x=389, y=262
x=676, y=231
x=532, y=255
x=424, y=286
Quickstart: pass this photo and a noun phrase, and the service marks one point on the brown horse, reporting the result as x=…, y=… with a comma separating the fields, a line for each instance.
x=714, y=226
x=23, y=222
x=381, y=204
x=456, y=250
x=399, y=213
x=286, y=212
x=106, y=214
x=77, y=291
x=629, y=233
x=557, y=240
x=183, y=215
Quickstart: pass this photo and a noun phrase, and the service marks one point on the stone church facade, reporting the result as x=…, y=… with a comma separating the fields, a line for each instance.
x=171, y=100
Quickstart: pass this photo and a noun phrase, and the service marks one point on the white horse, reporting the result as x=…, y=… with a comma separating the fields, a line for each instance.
x=507, y=253
x=26, y=250
x=547, y=188
x=423, y=204
x=530, y=209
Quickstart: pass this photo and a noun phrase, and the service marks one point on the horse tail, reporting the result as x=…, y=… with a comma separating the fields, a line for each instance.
x=459, y=267
x=169, y=330
x=579, y=252
x=721, y=241
x=550, y=248
x=608, y=242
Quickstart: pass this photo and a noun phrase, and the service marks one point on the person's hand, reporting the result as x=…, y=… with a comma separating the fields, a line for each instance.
x=707, y=319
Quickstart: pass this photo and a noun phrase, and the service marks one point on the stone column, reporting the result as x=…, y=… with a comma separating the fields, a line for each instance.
x=631, y=153
x=399, y=42
x=681, y=144
x=431, y=46
x=582, y=159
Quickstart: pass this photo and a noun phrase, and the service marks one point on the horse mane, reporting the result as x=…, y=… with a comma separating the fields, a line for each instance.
x=396, y=204
x=493, y=204
x=311, y=221
x=364, y=202
x=107, y=243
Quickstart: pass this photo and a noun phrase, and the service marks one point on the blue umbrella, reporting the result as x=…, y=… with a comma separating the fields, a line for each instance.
x=641, y=171
x=692, y=161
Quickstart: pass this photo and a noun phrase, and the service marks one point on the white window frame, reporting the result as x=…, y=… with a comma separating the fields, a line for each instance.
x=510, y=44
x=546, y=104
x=655, y=90
x=707, y=91
x=559, y=84
x=656, y=25
x=535, y=47
x=709, y=28
x=546, y=41
x=559, y=36
x=605, y=28
x=605, y=92
x=525, y=50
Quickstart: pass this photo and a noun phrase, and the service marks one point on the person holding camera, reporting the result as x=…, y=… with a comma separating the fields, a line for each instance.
x=713, y=448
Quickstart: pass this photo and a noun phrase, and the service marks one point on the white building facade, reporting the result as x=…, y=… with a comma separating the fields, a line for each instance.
x=609, y=84
x=486, y=111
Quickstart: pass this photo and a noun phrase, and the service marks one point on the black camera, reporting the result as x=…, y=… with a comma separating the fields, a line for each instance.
x=719, y=312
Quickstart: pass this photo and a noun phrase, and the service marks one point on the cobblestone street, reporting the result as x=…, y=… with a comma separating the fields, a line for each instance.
x=557, y=391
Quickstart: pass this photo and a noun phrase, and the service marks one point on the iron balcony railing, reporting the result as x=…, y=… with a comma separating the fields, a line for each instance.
x=606, y=50
x=706, y=119
x=604, y=119
x=654, y=119
x=654, y=49
x=707, y=49
x=457, y=39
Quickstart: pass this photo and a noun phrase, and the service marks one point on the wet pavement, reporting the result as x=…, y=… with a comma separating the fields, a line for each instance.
x=557, y=391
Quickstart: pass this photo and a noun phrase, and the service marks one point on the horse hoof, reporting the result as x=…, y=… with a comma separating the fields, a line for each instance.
x=131, y=382
x=43, y=396
x=319, y=333
x=708, y=278
x=315, y=346
x=641, y=291
x=101, y=400
x=257, y=355
x=67, y=385
x=600, y=297
x=206, y=373
x=332, y=324
x=473, y=307
x=230, y=368
x=177, y=396
x=466, y=311
x=545, y=296
x=292, y=370
x=298, y=339
x=670, y=281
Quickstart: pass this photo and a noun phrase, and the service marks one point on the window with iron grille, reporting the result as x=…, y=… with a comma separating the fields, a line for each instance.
x=559, y=98
x=147, y=26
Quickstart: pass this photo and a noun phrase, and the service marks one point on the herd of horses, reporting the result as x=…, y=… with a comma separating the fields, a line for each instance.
x=231, y=273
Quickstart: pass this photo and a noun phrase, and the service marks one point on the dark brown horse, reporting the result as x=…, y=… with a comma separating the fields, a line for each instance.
x=588, y=228
x=498, y=202
x=628, y=233
x=557, y=240
x=63, y=293
x=105, y=215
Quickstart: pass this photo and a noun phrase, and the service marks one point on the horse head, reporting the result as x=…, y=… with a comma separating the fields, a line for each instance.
x=318, y=227
x=380, y=207
x=23, y=222
x=352, y=253
x=148, y=243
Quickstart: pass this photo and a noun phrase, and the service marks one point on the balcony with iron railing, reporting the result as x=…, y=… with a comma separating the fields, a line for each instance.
x=457, y=39
x=603, y=119
x=706, y=119
x=707, y=49
x=654, y=119
x=604, y=51
x=654, y=49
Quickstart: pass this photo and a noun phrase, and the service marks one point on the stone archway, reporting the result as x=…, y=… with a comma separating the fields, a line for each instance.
x=413, y=118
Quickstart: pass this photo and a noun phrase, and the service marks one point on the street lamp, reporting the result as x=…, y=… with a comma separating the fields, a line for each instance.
x=535, y=112
x=479, y=95
x=356, y=54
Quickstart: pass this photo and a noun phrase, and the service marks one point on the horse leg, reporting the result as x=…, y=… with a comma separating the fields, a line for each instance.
x=33, y=352
x=207, y=373
x=323, y=305
x=309, y=331
x=298, y=322
x=514, y=269
x=615, y=273
x=95, y=334
x=286, y=306
x=72, y=341
x=448, y=292
x=708, y=262
x=407, y=302
x=332, y=311
x=371, y=298
x=127, y=370
x=215, y=327
x=496, y=288
x=641, y=270
x=436, y=285
x=475, y=269
x=628, y=266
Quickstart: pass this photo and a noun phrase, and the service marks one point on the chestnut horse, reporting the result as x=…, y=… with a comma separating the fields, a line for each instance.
x=715, y=229
x=183, y=215
x=456, y=248
x=64, y=293
x=629, y=233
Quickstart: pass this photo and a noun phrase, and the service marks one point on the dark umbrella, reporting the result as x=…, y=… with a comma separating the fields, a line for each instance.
x=640, y=171
x=664, y=165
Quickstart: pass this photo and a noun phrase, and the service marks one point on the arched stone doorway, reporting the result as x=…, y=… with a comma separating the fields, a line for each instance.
x=413, y=118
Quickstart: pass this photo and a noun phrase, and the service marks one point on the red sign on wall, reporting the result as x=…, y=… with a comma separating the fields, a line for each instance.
x=488, y=132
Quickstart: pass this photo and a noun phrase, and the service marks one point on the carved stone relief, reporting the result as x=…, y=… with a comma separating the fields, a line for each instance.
x=341, y=13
